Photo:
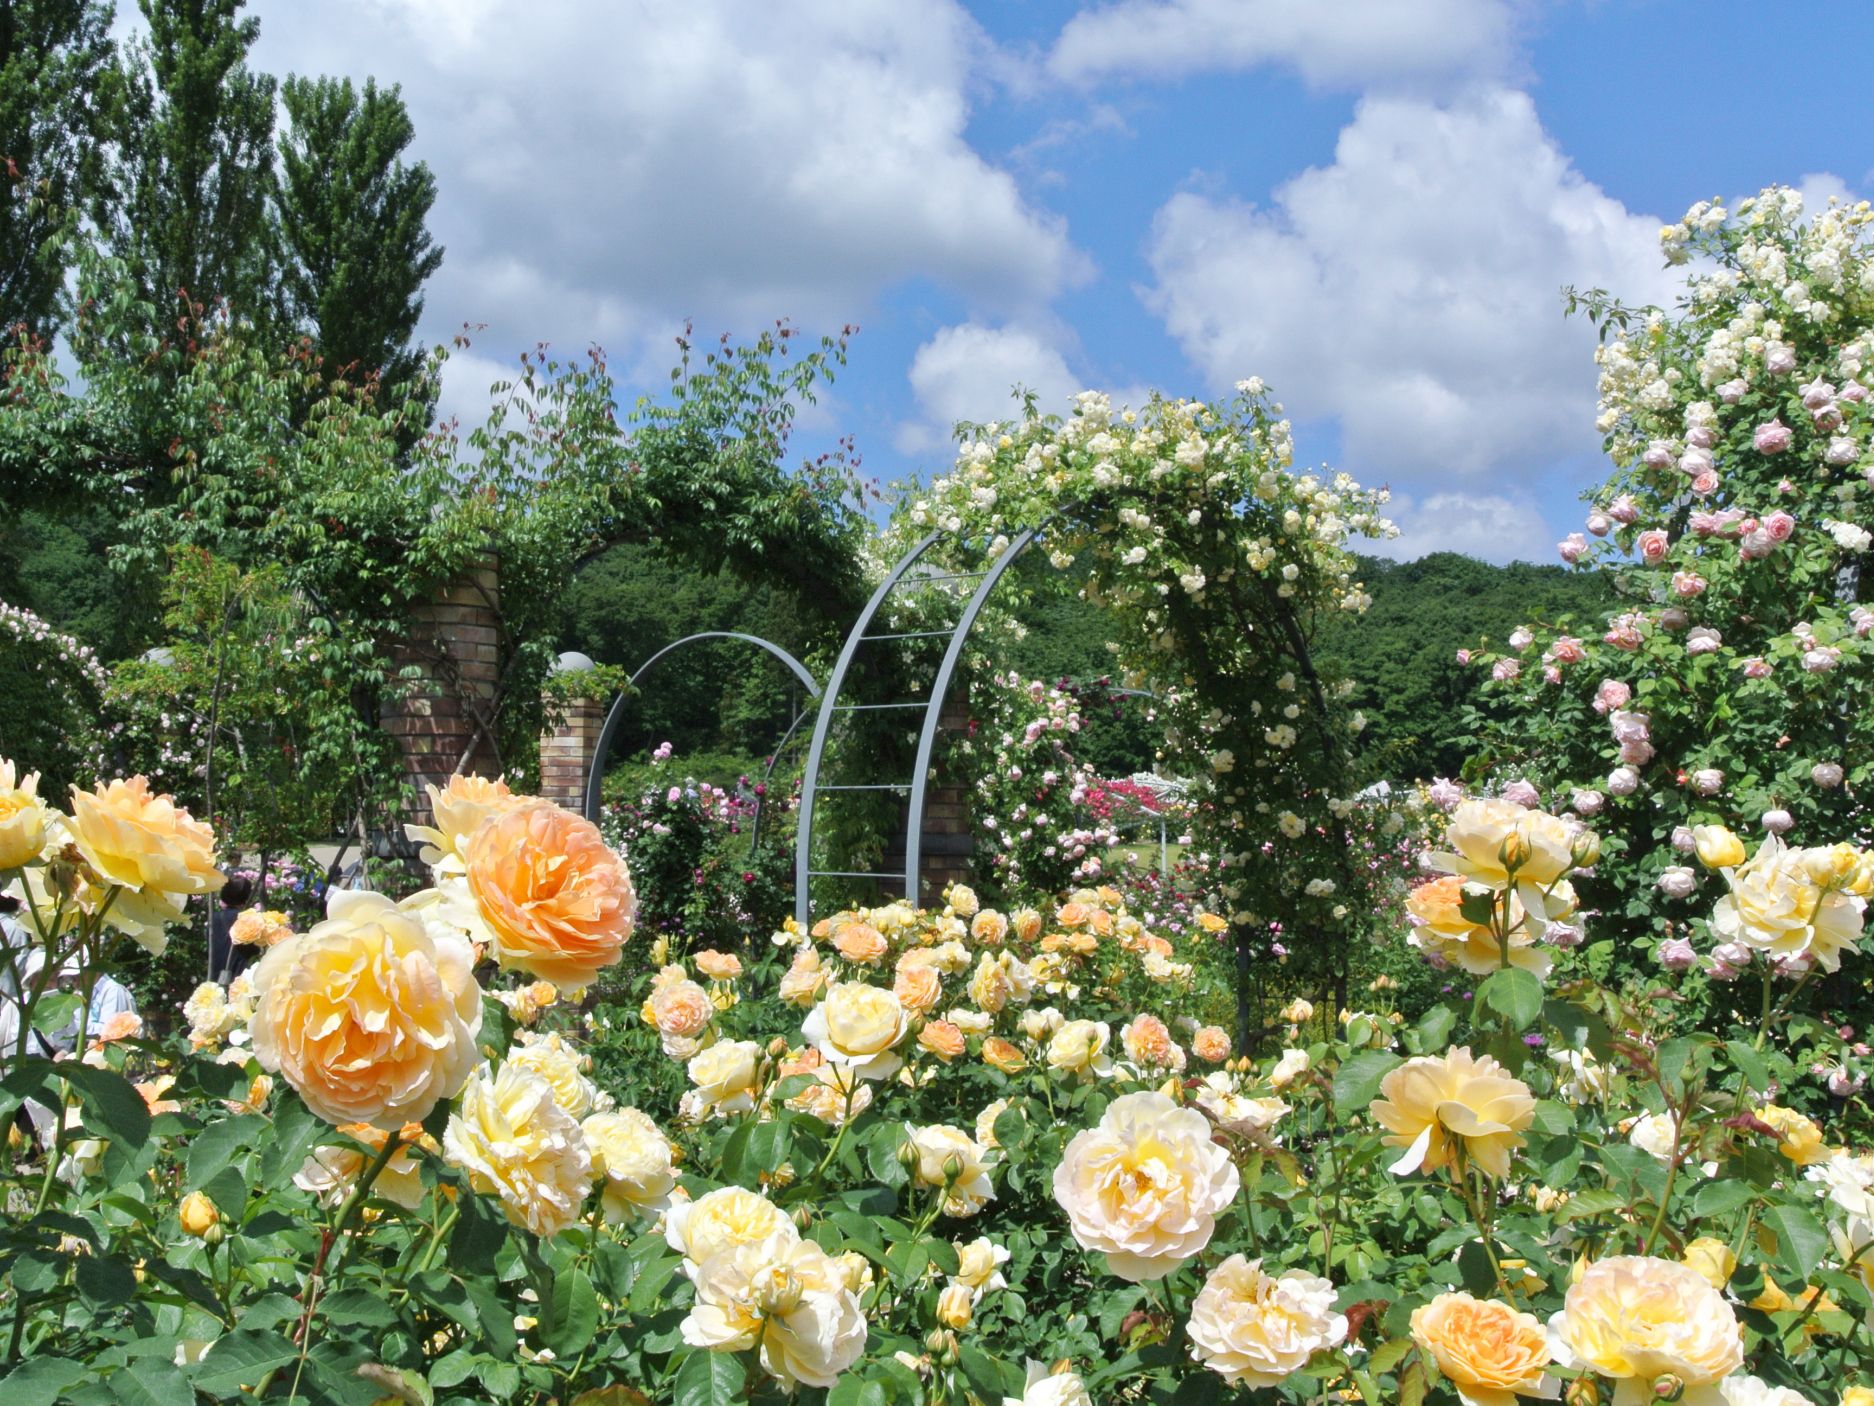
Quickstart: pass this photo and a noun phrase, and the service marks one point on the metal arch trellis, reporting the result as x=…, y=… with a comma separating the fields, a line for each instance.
x=932, y=704
x=595, y=777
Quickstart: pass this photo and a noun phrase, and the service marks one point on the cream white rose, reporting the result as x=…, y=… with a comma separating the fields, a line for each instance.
x=1255, y=1329
x=859, y=1026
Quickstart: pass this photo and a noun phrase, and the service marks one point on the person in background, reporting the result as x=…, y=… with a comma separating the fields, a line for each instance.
x=109, y=996
x=225, y=960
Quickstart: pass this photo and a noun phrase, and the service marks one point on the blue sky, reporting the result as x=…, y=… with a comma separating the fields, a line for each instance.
x=1372, y=204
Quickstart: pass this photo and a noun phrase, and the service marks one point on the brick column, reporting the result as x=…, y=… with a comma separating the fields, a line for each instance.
x=566, y=753
x=454, y=645
x=946, y=842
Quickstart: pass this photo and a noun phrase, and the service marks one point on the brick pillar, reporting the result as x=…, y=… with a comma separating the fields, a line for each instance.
x=566, y=753
x=947, y=842
x=454, y=645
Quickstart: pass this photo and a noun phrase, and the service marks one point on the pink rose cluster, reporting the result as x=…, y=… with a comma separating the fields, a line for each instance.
x=1632, y=736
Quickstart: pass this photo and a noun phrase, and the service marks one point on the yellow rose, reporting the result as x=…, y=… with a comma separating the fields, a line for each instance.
x=834, y=1096
x=154, y=849
x=786, y=1298
x=1290, y=1067
x=459, y=808
x=951, y=1161
x=331, y=1171
x=1145, y=1140
x=1443, y=931
x=561, y=1066
x=724, y=1218
x=1717, y=846
x=1798, y=1138
x=858, y=1026
x=804, y=980
x=998, y=980
x=1858, y=1396
x=370, y=1017
x=198, y=1215
x=1635, y=1319
x=1712, y=1259
x=1026, y=924
x=1775, y=1299
x=962, y=900
x=1481, y=833
x=1544, y=847
x=1491, y=1352
x=23, y=817
x=979, y=1266
x=633, y=1156
x=1774, y=908
x=515, y=1141
x=1079, y=1047
x=1437, y=1106
x=558, y=901
x=986, y=1124
x=1255, y=1329
x=955, y=1306
x=727, y=1074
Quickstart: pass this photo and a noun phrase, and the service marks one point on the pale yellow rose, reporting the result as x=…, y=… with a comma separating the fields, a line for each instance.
x=154, y=849
x=859, y=1026
x=785, y=1297
x=1490, y=1352
x=1218, y=1096
x=1255, y=1329
x=1858, y=1396
x=1298, y=1011
x=979, y=1266
x=986, y=1124
x=1741, y=1389
x=951, y=1161
x=1635, y=1319
x=834, y=1096
x=1145, y=1186
x=1712, y=1259
x=1148, y=1044
x=1437, y=1107
x=955, y=1306
x=368, y=1015
x=1079, y=1047
x=918, y=988
x=1026, y=924
x=1482, y=834
x=962, y=900
x=989, y=928
x=1051, y=1386
x=1717, y=846
x=1290, y=1067
x=725, y=1217
x=557, y=900
x=459, y=808
x=681, y=1010
x=804, y=979
x=727, y=1074
x=1211, y=1044
x=23, y=817
x=998, y=980
x=1442, y=930
x=515, y=1141
x=1775, y=908
x=560, y=1065
x=332, y=1170
x=1798, y=1138
x=633, y=1156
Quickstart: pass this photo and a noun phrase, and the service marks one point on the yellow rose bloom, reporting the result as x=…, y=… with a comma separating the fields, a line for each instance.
x=514, y=1141
x=998, y=1053
x=726, y=1217
x=1712, y=1259
x=1443, y=931
x=23, y=817
x=785, y=1297
x=1775, y=1299
x=1798, y=1138
x=1490, y=1352
x=1079, y=1047
x=1256, y=1329
x=1858, y=1396
x=459, y=808
x=859, y=1026
x=1437, y=1106
x=1774, y=907
x=560, y=1065
x=1635, y=1319
x=804, y=979
x=727, y=1074
x=370, y=1017
x=1718, y=847
x=1143, y=1141
x=558, y=901
x=989, y=928
x=632, y=1154
x=149, y=846
x=332, y=1170
x=198, y=1215
x=951, y=1161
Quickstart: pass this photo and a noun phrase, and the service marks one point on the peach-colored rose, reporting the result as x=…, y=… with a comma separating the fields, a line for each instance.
x=154, y=1091
x=1026, y=924
x=860, y=942
x=718, y=966
x=1211, y=1044
x=149, y=845
x=989, y=928
x=1488, y=1350
x=682, y=1009
x=558, y=901
x=1148, y=1044
x=804, y=980
x=368, y=1015
x=919, y=988
x=256, y=927
x=998, y=1053
x=942, y=1039
x=119, y=1025
x=1073, y=914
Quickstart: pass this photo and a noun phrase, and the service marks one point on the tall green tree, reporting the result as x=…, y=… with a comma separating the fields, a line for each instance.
x=350, y=224
x=191, y=171
x=52, y=56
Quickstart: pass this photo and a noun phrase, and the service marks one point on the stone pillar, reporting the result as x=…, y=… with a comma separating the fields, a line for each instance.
x=442, y=722
x=566, y=753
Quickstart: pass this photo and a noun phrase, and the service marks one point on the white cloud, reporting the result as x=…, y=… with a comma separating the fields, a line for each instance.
x=969, y=372
x=604, y=170
x=1411, y=290
x=1490, y=526
x=1819, y=187
x=1332, y=43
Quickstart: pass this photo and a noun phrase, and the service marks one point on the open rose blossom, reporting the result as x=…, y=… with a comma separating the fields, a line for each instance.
x=858, y=1027
x=1489, y=1351
x=149, y=845
x=1440, y=1106
x=1145, y=1187
x=632, y=1154
x=1635, y=1319
x=516, y=1142
x=23, y=817
x=370, y=1016
x=1256, y=1329
x=785, y=1297
x=459, y=808
x=557, y=900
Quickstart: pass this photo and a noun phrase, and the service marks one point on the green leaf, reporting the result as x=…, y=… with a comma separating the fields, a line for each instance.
x=39, y=1380
x=1413, y=1384
x=1389, y=1355
x=149, y=1381
x=572, y=1314
x=216, y=1147
x=1750, y=1063
x=480, y=1232
x=709, y=1379
x=1513, y=993
x=104, y=1280
x=849, y=1390
x=1800, y=1240
x=1433, y=1031
x=1714, y=1198
x=1474, y=1266
x=651, y=1280
x=240, y=1359
x=113, y=1106
x=1357, y=1081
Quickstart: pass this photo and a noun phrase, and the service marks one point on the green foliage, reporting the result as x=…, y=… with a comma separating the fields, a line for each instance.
x=51, y=55
x=350, y=225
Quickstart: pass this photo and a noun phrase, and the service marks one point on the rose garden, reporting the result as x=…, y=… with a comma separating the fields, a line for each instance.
x=1240, y=1077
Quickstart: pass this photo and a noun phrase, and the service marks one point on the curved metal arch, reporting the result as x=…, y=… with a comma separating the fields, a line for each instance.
x=767, y=778
x=595, y=774
x=933, y=711
x=810, y=783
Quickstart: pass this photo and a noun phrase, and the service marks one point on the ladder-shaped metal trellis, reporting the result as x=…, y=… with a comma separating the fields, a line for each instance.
x=832, y=705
